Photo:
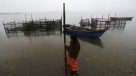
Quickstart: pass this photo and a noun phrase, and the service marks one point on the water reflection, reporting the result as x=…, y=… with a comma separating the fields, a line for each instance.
x=93, y=41
x=33, y=33
x=116, y=26
x=30, y=34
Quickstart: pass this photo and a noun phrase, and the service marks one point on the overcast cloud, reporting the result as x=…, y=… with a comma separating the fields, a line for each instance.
x=71, y=5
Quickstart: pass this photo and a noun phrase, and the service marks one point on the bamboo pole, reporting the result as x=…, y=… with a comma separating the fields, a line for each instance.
x=65, y=53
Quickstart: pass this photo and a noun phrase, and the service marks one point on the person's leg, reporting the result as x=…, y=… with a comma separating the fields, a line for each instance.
x=73, y=64
x=68, y=61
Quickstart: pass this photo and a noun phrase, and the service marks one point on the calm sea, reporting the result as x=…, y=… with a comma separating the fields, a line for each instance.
x=42, y=53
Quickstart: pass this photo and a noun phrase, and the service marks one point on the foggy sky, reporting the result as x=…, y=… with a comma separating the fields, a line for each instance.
x=71, y=5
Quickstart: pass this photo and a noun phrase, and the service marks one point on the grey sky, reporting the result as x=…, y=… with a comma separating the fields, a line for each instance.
x=71, y=5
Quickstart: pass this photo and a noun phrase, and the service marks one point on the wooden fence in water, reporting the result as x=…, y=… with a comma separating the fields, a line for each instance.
x=40, y=25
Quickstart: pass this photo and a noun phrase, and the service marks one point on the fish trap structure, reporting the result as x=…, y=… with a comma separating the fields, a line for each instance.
x=111, y=22
x=33, y=25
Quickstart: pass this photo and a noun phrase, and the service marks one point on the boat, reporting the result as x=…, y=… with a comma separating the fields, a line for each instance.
x=84, y=32
x=121, y=18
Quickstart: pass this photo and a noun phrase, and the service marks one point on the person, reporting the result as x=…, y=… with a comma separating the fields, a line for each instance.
x=73, y=52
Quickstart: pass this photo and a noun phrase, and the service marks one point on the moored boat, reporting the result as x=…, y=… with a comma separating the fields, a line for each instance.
x=84, y=32
x=121, y=18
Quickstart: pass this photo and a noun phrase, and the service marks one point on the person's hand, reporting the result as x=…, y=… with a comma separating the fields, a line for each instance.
x=66, y=45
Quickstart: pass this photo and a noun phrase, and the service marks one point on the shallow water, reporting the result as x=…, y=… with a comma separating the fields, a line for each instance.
x=42, y=53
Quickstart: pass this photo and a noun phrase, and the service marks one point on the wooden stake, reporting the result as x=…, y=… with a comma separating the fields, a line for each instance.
x=65, y=53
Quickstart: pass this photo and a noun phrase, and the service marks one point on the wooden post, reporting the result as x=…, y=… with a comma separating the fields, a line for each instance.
x=115, y=22
x=105, y=24
x=60, y=24
x=11, y=26
x=124, y=24
x=25, y=18
x=121, y=23
x=46, y=25
x=88, y=22
x=32, y=17
x=32, y=23
x=91, y=21
x=15, y=29
x=45, y=18
x=3, y=24
x=40, y=25
x=101, y=23
x=65, y=53
x=4, y=27
x=15, y=23
x=108, y=24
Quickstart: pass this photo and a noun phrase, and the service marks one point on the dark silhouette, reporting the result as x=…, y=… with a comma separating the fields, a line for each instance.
x=73, y=51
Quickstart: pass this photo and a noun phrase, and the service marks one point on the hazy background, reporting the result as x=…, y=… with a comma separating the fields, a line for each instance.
x=21, y=54
x=71, y=5
x=74, y=9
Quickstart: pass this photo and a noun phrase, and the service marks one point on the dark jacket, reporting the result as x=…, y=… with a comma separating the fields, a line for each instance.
x=73, y=49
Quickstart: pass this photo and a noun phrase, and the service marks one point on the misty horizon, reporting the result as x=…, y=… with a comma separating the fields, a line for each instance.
x=13, y=6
